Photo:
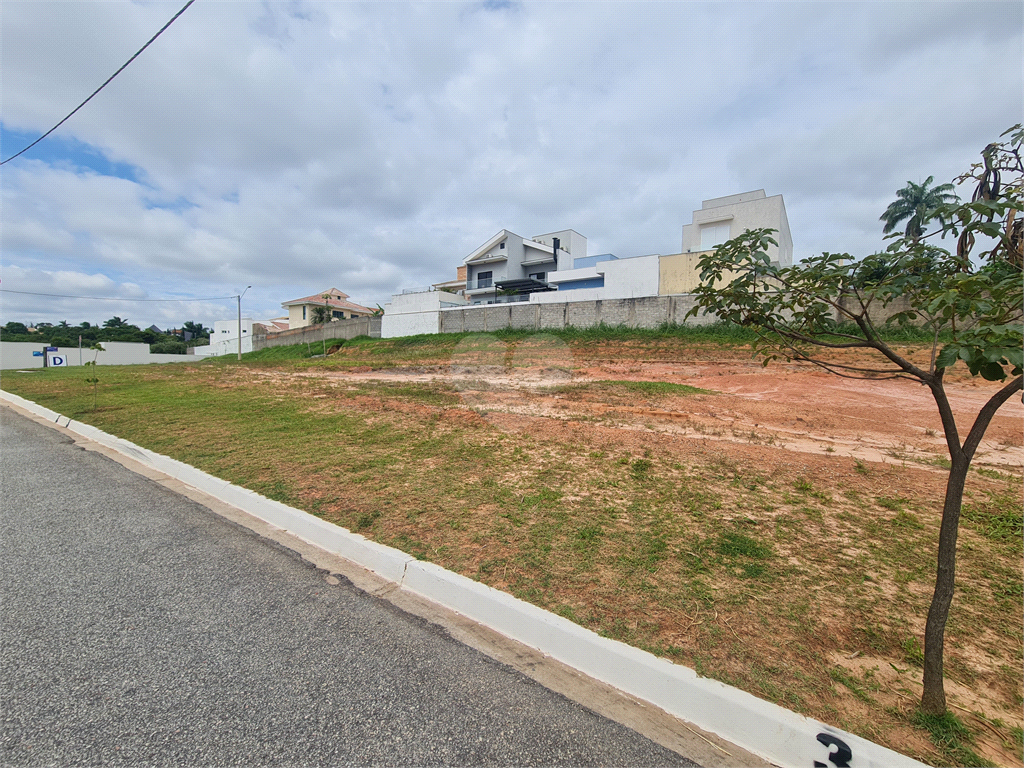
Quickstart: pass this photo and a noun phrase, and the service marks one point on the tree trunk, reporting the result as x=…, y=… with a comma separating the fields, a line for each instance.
x=933, y=698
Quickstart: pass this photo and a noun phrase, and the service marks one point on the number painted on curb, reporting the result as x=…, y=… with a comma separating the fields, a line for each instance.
x=841, y=757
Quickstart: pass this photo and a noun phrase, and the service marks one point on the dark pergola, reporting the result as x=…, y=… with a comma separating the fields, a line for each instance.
x=523, y=285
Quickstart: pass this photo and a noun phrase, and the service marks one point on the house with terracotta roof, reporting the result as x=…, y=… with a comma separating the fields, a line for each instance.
x=273, y=325
x=300, y=311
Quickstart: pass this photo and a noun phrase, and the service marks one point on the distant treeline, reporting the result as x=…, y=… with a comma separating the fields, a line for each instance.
x=62, y=334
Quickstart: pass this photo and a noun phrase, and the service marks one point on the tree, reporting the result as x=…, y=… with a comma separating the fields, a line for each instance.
x=972, y=309
x=168, y=347
x=919, y=205
x=115, y=322
x=196, y=329
x=93, y=378
x=15, y=328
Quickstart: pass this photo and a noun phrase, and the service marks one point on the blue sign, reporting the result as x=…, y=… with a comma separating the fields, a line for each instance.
x=36, y=354
x=51, y=349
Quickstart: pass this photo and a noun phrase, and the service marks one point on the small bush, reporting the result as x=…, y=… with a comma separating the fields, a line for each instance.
x=168, y=348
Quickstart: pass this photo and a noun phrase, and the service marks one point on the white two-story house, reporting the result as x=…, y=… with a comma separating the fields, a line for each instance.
x=509, y=267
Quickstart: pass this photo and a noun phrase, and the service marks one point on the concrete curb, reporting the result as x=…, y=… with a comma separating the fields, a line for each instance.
x=767, y=730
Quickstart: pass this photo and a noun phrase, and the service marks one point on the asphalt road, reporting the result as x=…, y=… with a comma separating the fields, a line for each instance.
x=139, y=628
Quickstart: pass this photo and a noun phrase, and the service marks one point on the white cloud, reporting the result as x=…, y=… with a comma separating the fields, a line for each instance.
x=299, y=146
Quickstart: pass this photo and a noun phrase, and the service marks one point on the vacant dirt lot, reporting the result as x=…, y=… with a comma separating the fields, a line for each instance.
x=773, y=528
x=795, y=408
x=850, y=440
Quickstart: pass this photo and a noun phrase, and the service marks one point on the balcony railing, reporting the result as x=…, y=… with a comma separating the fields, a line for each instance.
x=486, y=282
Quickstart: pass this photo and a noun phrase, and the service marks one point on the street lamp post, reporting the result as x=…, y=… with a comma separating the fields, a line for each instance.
x=240, y=322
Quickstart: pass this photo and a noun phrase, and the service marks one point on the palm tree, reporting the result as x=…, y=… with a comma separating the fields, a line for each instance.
x=322, y=314
x=916, y=203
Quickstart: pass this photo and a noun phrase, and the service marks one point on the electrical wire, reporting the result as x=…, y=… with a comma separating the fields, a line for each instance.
x=58, y=125
x=111, y=298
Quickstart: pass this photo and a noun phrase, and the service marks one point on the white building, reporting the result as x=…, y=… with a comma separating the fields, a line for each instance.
x=416, y=312
x=724, y=218
x=224, y=338
x=603, y=277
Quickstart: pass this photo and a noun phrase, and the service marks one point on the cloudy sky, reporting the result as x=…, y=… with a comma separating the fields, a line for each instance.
x=298, y=146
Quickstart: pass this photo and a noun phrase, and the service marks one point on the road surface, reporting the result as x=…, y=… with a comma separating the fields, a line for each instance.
x=138, y=627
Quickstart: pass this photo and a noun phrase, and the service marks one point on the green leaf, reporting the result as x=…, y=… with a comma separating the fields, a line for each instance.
x=948, y=356
x=992, y=372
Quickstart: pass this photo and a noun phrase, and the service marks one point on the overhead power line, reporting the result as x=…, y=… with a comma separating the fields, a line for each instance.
x=58, y=125
x=110, y=298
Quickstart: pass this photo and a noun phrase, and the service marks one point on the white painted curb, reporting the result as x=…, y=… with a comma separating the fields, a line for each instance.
x=767, y=730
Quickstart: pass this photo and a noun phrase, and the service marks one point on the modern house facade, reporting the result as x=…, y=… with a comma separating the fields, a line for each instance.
x=723, y=218
x=510, y=267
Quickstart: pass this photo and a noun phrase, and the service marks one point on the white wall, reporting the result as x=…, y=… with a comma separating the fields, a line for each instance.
x=224, y=330
x=630, y=278
x=16, y=354
x=559, y=297
x=225, y=346
x=410, y=314
x=422, y=301
x=409, y=324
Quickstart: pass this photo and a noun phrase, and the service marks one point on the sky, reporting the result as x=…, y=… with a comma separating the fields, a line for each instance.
x=299, y=146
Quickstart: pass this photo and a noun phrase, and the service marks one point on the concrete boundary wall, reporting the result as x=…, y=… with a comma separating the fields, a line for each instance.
x=18, y=354
x=316, y=334
x=642, y=312
x=767, y=730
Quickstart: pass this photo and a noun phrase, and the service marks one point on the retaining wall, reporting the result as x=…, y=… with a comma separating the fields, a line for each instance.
x=643, y=312
x=316, y=334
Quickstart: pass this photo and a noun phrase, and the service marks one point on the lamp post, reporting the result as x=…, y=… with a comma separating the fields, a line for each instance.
x=240, y=322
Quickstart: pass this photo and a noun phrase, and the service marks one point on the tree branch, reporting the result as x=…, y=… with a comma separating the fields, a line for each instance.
x=881, y=346
x=986, y=413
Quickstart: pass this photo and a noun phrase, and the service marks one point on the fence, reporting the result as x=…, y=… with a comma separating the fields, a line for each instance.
x=316, y=334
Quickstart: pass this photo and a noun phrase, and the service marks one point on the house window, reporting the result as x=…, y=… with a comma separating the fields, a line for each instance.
x=713, y=234
x=483, y=279
x=338, y=314
x=539, y=276
x=303, y=313
x=501, y=247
